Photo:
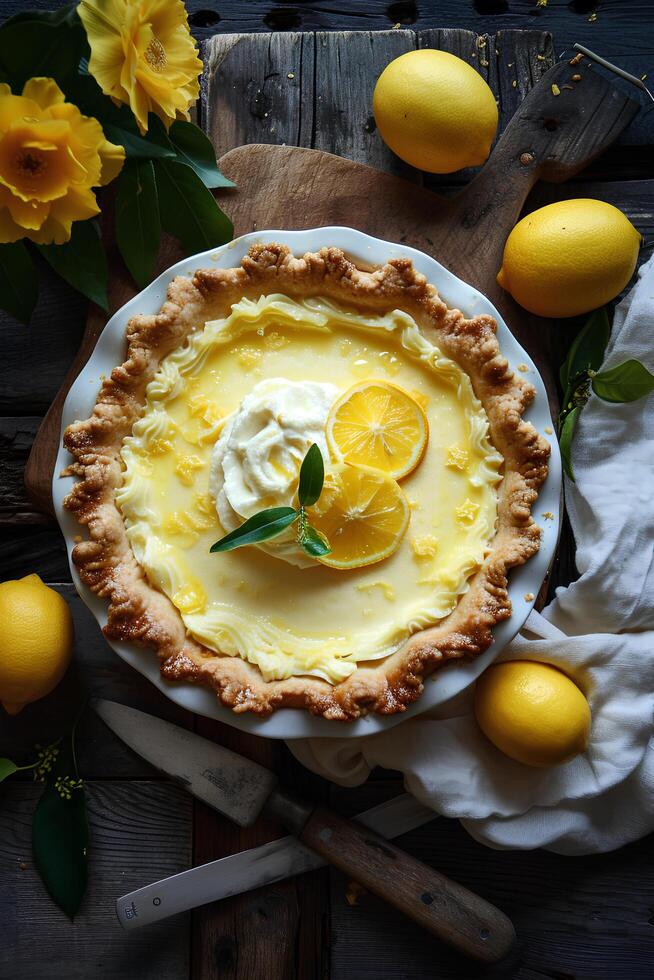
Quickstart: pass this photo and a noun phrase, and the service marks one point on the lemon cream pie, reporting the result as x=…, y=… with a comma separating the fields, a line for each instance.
x=400, y=562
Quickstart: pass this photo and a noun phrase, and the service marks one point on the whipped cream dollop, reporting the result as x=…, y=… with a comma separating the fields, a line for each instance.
x=256, y=462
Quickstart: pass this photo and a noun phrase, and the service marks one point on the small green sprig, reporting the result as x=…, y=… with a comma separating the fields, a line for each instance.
x=272, y=521
x=580, y=375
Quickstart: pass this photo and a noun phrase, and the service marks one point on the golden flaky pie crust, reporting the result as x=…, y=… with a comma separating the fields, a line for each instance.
x=143, y=614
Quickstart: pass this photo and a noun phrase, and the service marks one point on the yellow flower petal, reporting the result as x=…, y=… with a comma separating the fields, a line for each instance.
x=112, y=158
x=44, y=91
x=143, y=54
x=51, y=156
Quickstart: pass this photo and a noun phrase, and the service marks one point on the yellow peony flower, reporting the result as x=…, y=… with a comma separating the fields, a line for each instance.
x=50, y=158
x=142, y=53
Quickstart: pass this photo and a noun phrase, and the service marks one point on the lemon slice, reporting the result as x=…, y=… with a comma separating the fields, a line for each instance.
x=378, y=424
x=363, y=513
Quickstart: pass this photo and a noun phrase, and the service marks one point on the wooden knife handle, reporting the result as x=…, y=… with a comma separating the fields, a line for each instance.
x=446, y=909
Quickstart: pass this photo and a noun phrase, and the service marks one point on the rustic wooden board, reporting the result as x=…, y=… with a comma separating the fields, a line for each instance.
x=138, y=830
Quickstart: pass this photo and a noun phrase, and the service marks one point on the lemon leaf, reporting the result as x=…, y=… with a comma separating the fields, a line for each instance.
x=194, y=148
x=60, y=835
x=7, y=768
x=625, y=382
x=262, y=526
x=137, y=219
x=188, y=210
x=81, y=262
x=587, y=350
x=565, y=441
x=312, y=477
x=314, y=542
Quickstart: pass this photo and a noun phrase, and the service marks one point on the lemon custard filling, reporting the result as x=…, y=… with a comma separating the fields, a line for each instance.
x=227, y=421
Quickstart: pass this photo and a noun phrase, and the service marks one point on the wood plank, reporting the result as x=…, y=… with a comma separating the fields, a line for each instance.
x=16, y=437
x=266, y=92
x=25, y=549
x=96, y=671
x=575, y=917
x=35, y=358
x=139, y=832
x=620, y=30
x=346, y=70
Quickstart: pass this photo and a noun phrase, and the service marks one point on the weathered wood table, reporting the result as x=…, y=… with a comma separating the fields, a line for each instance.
x=584, y=918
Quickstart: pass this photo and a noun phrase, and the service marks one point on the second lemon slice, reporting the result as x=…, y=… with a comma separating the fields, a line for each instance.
x=363, y=513
x=378, y=424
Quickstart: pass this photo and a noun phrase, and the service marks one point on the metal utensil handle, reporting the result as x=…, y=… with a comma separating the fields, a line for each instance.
x=638, y=82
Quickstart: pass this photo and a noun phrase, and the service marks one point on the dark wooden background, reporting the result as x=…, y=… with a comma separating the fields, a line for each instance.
x=577, y=919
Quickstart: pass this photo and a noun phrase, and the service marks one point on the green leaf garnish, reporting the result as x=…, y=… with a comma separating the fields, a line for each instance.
x=587, y=350
x=19, y=285
x=312, y=477
x=271, y=522
x=81, y=262
x=565, y=441
x=7, y=768
x=188, y=210
x=314, y=542
x=137, y=219
x=262, y=526
x=625, y=382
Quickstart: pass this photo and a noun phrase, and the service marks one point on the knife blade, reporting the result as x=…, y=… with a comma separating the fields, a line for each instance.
x=243, y=790
x=254, y=867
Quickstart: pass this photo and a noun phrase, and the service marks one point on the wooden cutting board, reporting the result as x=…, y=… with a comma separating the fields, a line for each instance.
x=550, y=137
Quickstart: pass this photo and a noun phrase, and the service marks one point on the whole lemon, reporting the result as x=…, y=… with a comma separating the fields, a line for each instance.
x=533, y=712
x=435, y=111
x=37, y=641
x=569, y=257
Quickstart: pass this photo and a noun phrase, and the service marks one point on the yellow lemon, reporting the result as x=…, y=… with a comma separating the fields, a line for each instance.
x=435, y=111
x=363, y=514
x=569, y=257
x=532, y=712
x=37, y=641
x=378, y=424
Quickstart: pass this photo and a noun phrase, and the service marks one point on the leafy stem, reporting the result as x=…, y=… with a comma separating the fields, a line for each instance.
x=580, y=375
x=269, y=523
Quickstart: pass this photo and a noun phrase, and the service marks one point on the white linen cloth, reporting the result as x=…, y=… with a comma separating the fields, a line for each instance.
x=600, y=630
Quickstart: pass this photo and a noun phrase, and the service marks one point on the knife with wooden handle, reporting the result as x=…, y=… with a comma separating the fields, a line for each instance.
x=257, y=866
x=244, y=790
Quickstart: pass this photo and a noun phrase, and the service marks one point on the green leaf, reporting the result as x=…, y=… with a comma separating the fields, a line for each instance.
x=81, y=262
x=264, y=525
x=137, y=219
x=565, y=441
x=136, y=146
x=314, y=542
x=587, y=350
x=195, y=149
x=19, y=285
x=37, y=43
x=188, y=210
x=626, y=382
x=7, y=768
x=60, y=837
x=312, y=477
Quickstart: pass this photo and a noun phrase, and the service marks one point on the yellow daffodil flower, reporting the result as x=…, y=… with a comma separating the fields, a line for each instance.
x=50, y=158
x=142, y=54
